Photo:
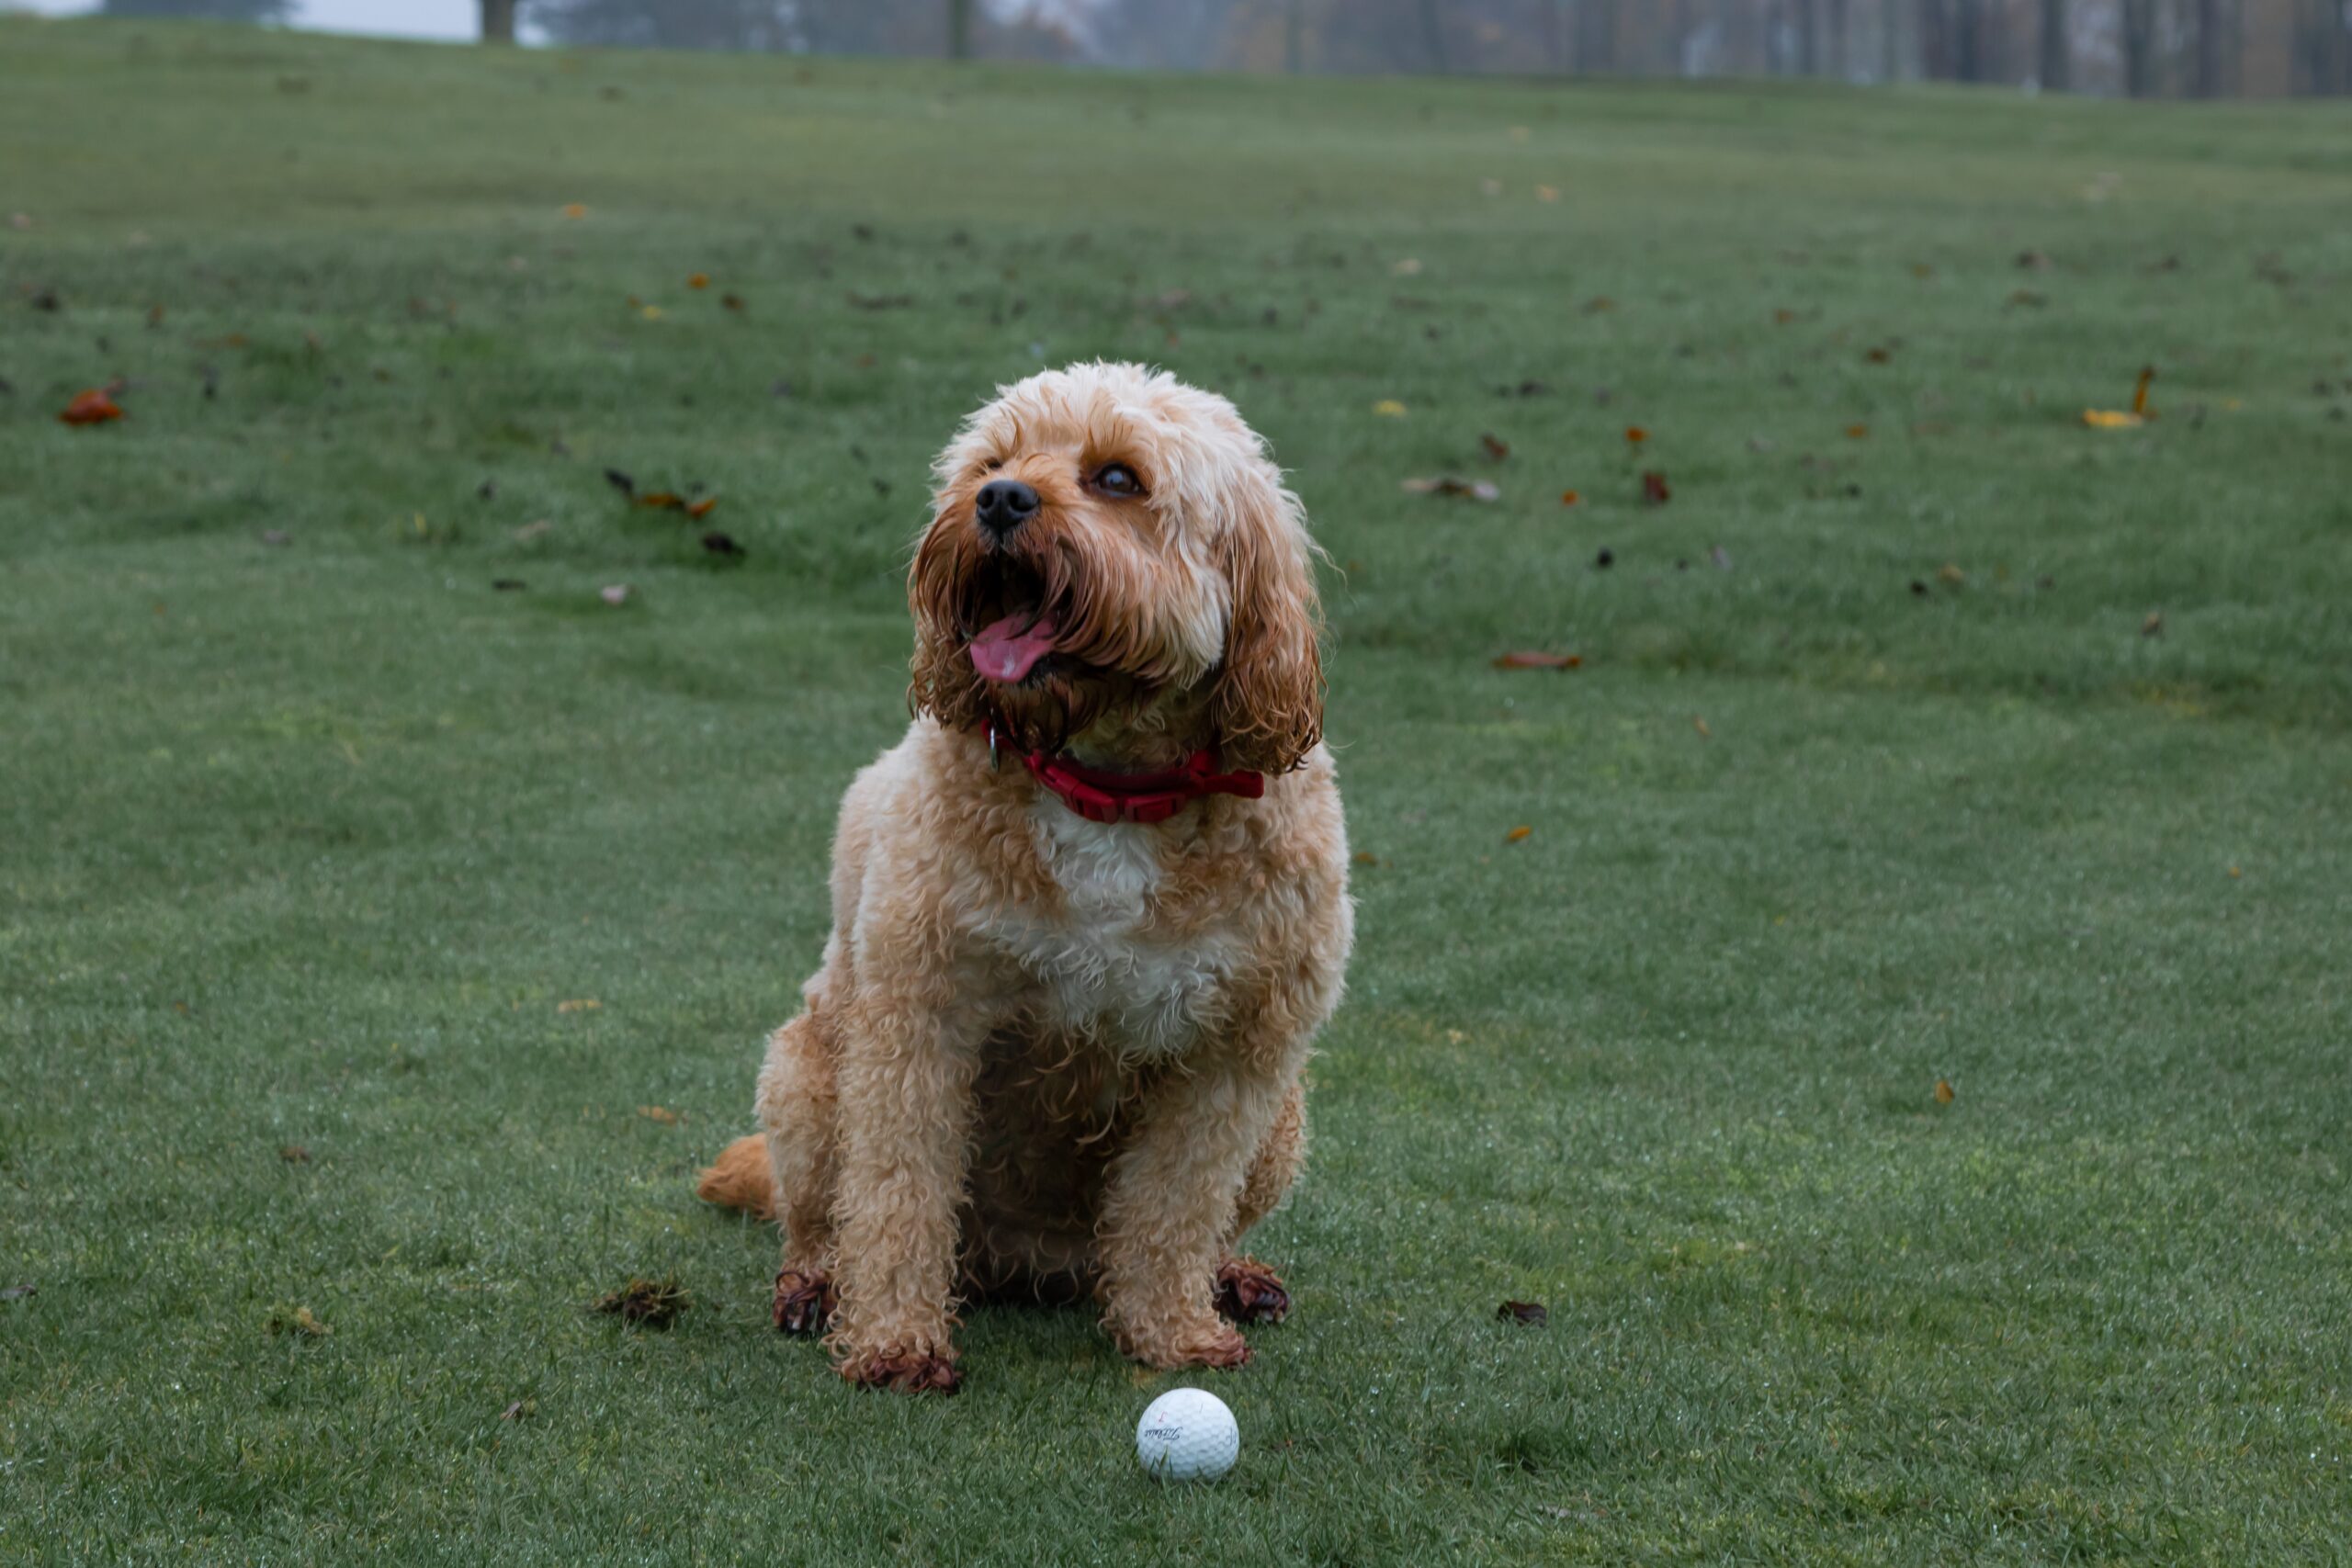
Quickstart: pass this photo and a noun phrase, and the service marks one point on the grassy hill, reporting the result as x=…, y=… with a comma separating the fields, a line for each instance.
x=388, y=924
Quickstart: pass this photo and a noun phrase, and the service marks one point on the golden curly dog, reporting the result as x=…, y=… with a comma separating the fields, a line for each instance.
x=1088, y=914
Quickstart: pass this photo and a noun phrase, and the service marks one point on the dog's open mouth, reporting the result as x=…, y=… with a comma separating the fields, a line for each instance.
x=1017, y=627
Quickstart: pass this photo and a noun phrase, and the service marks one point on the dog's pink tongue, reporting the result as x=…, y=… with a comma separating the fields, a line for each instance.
x=1008, y=651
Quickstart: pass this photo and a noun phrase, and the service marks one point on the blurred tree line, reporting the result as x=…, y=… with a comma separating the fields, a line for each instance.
x=2142, y=48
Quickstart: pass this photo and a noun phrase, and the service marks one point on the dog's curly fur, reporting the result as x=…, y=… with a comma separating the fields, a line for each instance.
x=1045, y=1056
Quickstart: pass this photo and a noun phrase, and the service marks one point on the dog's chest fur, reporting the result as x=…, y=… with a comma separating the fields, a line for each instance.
x=1108, y=966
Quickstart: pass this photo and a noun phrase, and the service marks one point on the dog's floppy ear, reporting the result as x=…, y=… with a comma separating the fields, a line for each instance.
x=1268, y=704
x=941, y=681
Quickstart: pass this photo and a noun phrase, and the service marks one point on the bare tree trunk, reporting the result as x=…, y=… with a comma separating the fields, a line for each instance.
x=959, y=30
x=2140, y=47
x=1596, y=34
x=2057, y=55
x=498, y=21
x=1968, y=41
x=1936, y=52
x=1433, y=35
x=2210, y=49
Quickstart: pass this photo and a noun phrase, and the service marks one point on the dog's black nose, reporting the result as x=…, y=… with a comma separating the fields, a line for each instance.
x=1003, y=505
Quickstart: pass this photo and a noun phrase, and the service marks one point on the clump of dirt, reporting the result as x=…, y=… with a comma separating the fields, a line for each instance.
x=655, y=1303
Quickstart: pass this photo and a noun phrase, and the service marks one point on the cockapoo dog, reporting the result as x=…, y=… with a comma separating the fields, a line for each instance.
x=1088, y=914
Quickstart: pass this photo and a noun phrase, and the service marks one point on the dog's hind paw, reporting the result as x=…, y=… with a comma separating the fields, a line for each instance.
x=1248, y=1291
x=904, y=1373
x=804, y=1301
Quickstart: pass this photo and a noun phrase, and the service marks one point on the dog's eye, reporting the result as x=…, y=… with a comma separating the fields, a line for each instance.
x=992, y=465
x=1118, y=480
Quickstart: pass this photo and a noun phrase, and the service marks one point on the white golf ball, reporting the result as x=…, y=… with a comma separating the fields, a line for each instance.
x=1187, y=1435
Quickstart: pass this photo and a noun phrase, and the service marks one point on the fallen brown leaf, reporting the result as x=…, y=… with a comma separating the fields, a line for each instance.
x=1365, y=857
x=1950, y=575
x=1943, y=1091
x=295, y=1154
x=90, y=406
x=1571, y=498
x=2153, y=626
x=1516, y=834
x=1700, y=726
x=1477, y=490
x=720, y=543
x=698, y=281
x=1496, y=448
x=661, y=1113
x=302, y=1322
x=584, y=1004
x=1654, y=489
x=1531, y=660
x=1530, y=1315
x=698, y=510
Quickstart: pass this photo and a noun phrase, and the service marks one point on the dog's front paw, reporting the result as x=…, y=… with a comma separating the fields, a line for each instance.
x=804, y=1301
x=1214, y=1344
x=1248, y=1291
x=904, y=1372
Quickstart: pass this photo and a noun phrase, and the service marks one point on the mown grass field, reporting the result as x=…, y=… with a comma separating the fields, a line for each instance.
x=1973, y=746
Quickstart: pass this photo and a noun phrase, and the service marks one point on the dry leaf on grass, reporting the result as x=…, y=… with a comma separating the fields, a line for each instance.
x=90, y=406
x=1516, y=834
x=295, y=1154
x=2111, y=419
x=1700, y=726
x=1495, y=445
x=584, y=1004
x=661, y=1113
x=1571, y=498
x=1530, y=1315
x=301, y=1322
x=1654, y=489
x=2153, y=626
x=655, y=1303
x=1477, y=490
x=1943, y=1091
x=1389, y=408
x=1529, y=658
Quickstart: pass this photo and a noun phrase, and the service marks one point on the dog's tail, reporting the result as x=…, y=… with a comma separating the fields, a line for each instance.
x=739, y=1179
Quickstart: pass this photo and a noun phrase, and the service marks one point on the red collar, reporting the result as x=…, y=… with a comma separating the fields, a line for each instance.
x=1100, y=796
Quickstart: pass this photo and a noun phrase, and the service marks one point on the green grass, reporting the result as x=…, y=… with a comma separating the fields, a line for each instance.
x=305, y=843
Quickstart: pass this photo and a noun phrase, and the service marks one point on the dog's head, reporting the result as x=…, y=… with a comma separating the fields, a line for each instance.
x=1103, y=537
